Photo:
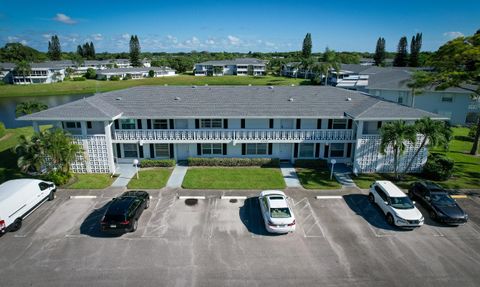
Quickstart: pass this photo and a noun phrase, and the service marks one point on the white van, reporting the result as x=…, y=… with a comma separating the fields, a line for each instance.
x=19, y=198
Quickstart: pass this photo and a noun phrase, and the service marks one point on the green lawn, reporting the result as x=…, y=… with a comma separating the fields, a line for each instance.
x=233, y=178
x=466, y=172
x=150, y=179
x=91, y=181
x=312, y=178
x=92, y=86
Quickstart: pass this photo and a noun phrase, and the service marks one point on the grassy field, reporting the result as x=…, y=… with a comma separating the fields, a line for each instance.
x=466, y=174
x=233, y=178
x=150, y=179
x=316, y=179
x=92, y=86
x=91, y=181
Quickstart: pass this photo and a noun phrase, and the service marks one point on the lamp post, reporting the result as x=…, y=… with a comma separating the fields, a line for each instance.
x=135, y=163
x=333, y=162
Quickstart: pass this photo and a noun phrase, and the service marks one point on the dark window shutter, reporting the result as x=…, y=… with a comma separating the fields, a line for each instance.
x=149, y=124
x=89, y=125
x=171, y=150
x=244, y=149
x=299, y=124
x=117, y=124
x=349, y=125
x=140, y=151
x=63, y=125
x=325, y=153
x=317, y=150
x=270, y=124
x=330, y=124
x=225, y=123
x=152, y=151
x=295, y=150
x=139, y=124
x=197, y=123
x=224, y=148
x=242, y=123
x=349, y=149
x=270, y=146
x=119, y=151
x=199, y=149
x=319, y=123
x=379, y=124
x=172, y=124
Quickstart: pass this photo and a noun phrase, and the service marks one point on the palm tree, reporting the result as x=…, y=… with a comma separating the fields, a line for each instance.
x=396, y=134
x=30, y=107
x=434, y=133
x=420, y=80
x=23, y=68
x=307, y=64
x=31, y=153
x=60, y=149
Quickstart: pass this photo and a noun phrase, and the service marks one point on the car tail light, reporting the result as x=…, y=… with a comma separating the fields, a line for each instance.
x=125, y=222
x=292, y=224
x=2, y=224
x=271, y=224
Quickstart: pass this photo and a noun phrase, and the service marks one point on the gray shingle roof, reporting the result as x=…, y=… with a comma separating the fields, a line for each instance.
x=230, y=102
x=238, y=61
x=134, y=70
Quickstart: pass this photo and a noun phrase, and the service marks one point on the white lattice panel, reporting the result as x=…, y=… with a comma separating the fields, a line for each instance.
x=95, y=156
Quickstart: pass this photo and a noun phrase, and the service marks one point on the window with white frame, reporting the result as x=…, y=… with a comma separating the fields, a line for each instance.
x=73, y=125
x=160, y=124
x=161, y=150
x=211, y=149
x=257, y=149
x=307, y=150
x=340, y=124
x=127, y=124
x=130, y=150
x=337, y=150
x=211, y=123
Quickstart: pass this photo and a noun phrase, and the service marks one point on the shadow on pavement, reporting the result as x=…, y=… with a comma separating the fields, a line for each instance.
x=91, y=225
x=251, y=216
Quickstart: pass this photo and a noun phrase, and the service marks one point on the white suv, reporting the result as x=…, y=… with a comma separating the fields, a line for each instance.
x=397, y=207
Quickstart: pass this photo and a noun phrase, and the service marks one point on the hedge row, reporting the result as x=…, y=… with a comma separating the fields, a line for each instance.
x=3, y=130
x=311, y=163
x=157, y=163
x=218, y=161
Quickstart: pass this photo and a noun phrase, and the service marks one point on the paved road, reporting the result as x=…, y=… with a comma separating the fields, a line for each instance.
x=338, y=242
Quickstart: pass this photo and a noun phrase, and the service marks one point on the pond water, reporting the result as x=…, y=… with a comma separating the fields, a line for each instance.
x=8, y=105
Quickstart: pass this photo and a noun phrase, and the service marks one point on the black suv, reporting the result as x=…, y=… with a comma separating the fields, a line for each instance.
x=438, y=203
x=124, y=211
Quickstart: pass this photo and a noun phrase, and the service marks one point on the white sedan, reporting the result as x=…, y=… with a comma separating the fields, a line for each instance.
x=277, y=215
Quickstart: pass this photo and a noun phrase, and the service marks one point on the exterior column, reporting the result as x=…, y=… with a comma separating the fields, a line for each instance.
x=83, y=125
x=36, y=128
x=359, y=134
x=108, y=139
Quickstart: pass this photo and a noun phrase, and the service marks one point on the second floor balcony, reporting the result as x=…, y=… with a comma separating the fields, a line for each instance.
x=234, y=135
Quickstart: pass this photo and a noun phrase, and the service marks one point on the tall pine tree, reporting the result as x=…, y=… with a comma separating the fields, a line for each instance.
x=135, y=51
x=92, y=55
x=379, y=56
x=54, y=49
x=401, y=58
x=307, y=46
x=415, y=47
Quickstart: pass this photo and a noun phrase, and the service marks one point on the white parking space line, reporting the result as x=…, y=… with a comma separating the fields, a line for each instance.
x=307, y=219
x=82, y=196
x=233, y=197
x=191, y=197
x=329, y=197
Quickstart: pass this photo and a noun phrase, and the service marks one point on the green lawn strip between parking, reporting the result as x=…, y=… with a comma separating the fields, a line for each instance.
x=150, y=178
x=90, y=181
x=466, y=174
x=311, y=178
x=93, y=86
x=233, y=178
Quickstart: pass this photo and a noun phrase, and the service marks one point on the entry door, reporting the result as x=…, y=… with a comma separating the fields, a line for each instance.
x=286, y=124
x=182, y=151
x=285, y=151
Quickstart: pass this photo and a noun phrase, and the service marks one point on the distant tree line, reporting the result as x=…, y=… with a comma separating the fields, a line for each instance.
x=86, y=51
x=401, y=57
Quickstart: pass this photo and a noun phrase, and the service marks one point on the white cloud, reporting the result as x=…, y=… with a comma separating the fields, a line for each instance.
x=172, y=39
x=97, y=37
x=24, y=42
x=453, y=34
x=126, y=36
x=233, y=40
x=210, y=42
x=11, y=39
x=64, y=19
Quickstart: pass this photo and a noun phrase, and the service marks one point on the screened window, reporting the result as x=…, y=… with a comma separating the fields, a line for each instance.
x=400, y=100
x=307, y=150
x=211, y=123
x=337, y=149
x=161, y=150
x=160, y=124
x=73, y=125
x=130, y=150
x=339, y=124
x=211, y=149
x=447, y=99
x=257, y=149
x=128, y=124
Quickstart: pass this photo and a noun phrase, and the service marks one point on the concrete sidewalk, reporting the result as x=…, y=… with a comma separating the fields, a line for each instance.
x=126, y=171
x=290, y=175
x=176, y=178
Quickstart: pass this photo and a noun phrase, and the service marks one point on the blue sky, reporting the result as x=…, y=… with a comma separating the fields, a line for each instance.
x=243, y=26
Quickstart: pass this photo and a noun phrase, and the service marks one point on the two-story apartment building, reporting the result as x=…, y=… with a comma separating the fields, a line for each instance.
x=238, y=67
x=289, y=123
x=135, y=73
x=40, y=73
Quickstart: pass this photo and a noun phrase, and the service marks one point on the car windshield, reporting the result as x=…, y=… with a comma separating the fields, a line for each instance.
x=280, y=212
x=442, y=199
x=401, y=202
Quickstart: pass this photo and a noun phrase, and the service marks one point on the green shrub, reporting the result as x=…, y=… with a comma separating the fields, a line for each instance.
x=438, y=167
x=91, y=74
x=115, y=78
x=311, y=163
x=219, y=161
x=58, y=177
x=157, y=163
x=127, y=77
x=3, y=130
x=472, y=131
x=79, y=79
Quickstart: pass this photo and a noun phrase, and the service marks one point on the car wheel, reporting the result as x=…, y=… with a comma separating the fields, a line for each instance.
x=17, y=224
x=371, y=198
x=433, y=215
x=134, y=226
x=147, y=204
x=51, y=196
x=390, y=219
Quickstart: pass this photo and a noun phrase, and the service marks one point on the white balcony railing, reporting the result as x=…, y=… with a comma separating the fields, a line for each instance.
x=238, y=135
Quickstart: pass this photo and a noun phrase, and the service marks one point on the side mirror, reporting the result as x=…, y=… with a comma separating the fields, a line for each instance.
x=428, y=198
x=386, y=202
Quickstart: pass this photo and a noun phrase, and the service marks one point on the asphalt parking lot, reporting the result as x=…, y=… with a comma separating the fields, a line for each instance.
x=340, y=241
